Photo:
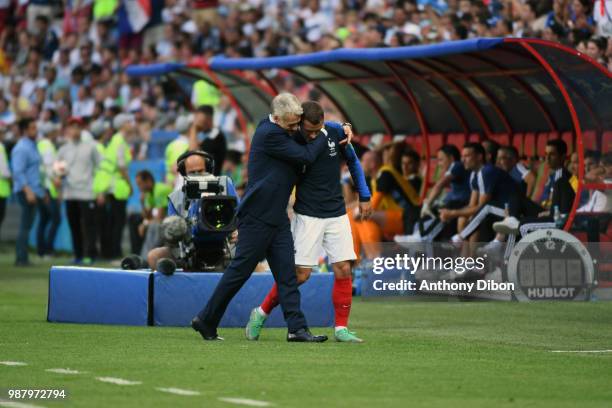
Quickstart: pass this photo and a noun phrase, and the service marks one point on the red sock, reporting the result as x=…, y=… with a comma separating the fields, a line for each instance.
x=342, y=297
x=271, y=300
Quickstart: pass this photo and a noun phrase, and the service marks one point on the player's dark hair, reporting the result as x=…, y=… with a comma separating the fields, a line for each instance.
x=412, y=154
x=477, y=148
x=559, y=145
x=206, y=109
x=313, y=112
x=512, y=150
x=145, y=175
x=24, y=123
x=491, y=147
x=451, y=151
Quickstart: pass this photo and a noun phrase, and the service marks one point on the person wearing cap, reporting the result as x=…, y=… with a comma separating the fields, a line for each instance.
x=174, y=149
x=49, y=216
x=203, y=135
x=27, y=185
x=75, y=167
x=117, y=157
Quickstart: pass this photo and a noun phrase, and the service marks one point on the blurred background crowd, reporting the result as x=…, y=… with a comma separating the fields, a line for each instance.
x=62, y=71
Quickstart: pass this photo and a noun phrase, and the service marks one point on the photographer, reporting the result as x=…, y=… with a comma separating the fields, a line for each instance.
x=192, y=164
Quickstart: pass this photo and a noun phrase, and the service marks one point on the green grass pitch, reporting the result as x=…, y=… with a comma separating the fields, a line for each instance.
x=425, y=354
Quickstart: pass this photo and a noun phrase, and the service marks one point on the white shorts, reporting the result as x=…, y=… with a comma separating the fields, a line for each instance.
x=311, y=235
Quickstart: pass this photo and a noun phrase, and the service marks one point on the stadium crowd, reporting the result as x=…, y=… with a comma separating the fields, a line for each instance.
x=67, y=103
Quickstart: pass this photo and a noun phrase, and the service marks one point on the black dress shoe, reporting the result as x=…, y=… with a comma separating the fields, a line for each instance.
x=207, y=333
x=305, y=336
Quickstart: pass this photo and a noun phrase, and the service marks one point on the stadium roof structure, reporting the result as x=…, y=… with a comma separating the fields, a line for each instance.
x=488, y=87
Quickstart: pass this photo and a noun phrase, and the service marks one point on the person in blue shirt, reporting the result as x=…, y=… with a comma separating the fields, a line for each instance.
x=492, y=189
x=456, y=178
x=508, y=160
x=27, y=184
x=320, y=220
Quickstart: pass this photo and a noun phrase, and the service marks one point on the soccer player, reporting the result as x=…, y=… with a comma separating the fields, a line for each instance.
x=320, y=220
x=492, y=188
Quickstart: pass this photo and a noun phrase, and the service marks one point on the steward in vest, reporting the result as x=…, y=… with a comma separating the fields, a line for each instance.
x=49, y=211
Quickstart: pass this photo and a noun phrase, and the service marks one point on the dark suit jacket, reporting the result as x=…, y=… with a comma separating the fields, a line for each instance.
x=273, y=160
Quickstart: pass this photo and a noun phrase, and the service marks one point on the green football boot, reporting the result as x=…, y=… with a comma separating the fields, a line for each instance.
x=256, y=322
x=346, y=336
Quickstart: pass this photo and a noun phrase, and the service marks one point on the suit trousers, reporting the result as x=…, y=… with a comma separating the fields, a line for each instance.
x=256, y=241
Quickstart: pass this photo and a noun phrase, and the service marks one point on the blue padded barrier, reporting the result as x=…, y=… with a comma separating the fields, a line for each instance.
x=178, y=298
x=138, y=298
x=101, y=296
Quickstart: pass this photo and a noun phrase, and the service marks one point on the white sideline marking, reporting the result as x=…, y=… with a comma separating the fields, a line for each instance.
x=15, y=404
x=178, y=391
x=246, y=401
x=118, y=381
x=62, y=371
x=581, y=351
x=13, y=363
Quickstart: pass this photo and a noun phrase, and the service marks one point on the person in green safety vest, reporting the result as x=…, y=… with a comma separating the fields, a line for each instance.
x=117, y=157
x=102, y=131
x=154, y=201
x=5, y=179
x=203, y=93
x=174, y=149
x=49, y=212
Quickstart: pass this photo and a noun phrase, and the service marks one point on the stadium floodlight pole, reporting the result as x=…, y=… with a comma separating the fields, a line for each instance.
x=420, y=119
x=466, y=97
x=572, y=110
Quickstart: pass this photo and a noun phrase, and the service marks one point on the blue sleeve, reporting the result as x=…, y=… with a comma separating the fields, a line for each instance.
x=338, y=127
x=280, y=146
x=357, y=173
x=171, y=209
x=231, y=190
x=18, y=167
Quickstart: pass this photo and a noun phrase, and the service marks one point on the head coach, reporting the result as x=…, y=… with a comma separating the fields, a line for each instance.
x=263, y=225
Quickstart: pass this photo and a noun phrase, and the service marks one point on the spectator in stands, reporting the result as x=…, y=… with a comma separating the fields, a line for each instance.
x=27, y=184
x=204, y=136
x=77, y=161
x=49, y=214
